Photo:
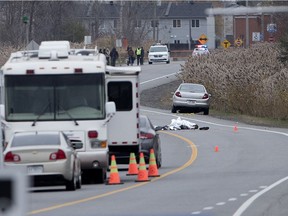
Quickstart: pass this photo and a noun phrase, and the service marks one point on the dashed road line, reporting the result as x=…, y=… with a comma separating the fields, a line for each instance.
x=208, y=208
x=232, y=199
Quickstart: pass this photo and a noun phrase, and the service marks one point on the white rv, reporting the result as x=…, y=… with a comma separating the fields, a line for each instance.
x=74, y=91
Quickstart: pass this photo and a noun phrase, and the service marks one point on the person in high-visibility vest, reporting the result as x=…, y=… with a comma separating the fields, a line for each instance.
x=138, y=55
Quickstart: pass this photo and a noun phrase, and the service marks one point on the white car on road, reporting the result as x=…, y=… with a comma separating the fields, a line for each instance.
x=158, y=53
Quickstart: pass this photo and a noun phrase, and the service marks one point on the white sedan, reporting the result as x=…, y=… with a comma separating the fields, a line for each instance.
x=49, y=158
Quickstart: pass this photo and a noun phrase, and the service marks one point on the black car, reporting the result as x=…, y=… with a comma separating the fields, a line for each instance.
x=149, y=139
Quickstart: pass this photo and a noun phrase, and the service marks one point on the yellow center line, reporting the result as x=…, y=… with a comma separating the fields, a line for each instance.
x=188, y=163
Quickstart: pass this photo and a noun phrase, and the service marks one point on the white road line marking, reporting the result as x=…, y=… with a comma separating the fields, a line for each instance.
x=196, y=213
x=220, y=203
x=208, y=208
x=253, y=198
x=151, y=80
x=253, y=191
x=232, y=199
x=244, y=194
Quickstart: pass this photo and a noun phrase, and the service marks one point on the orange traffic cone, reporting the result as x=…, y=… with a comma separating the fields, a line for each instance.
x=235, y=128
x=152, y=170
x=133, y=168
x=142, y=174
x=216, y=149
x=114, y=175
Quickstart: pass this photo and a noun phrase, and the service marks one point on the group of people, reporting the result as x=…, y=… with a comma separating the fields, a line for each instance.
x=139, y=53
x=113, y=55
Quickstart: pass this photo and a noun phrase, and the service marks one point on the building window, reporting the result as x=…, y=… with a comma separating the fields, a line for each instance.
x=176, y=23
x=137, y=23
x=176, y=41
x=101, y=25
x=115, y=24
x=195, y=23
x=154, y=22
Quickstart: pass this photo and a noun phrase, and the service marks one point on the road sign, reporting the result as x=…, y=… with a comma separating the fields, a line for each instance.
x=272, y=28
x=256, y=36
x=203, y=39
x=226, y=44
x=238, y=42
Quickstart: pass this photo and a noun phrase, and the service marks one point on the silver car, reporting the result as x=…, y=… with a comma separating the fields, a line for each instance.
x=191, y=96
x=48, y=157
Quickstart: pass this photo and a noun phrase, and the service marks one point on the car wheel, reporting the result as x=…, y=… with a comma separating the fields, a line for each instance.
x=159, y=160
x=206, y=111
x=150, y=62
x=79, y=182
x=167, y=62
x=173, y=110
x=71, y=184
x=101, y=175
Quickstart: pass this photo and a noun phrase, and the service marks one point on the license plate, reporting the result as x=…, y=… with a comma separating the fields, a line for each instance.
x=34, y=169
x=191, y=101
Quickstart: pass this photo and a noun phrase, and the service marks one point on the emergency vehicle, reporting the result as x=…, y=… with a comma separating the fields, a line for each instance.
x=57, y=88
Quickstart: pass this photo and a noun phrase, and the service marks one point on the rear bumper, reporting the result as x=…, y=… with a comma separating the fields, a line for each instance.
x=185, y=104
x=52, y=173
x=88, y=158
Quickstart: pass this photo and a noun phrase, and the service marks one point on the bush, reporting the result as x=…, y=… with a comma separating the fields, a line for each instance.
x=250, y=81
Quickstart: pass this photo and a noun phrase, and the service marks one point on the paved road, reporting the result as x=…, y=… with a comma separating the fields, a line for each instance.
x=246, y=176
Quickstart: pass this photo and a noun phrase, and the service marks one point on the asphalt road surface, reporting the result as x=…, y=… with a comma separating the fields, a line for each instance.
x=231, y=169
x=245, y=176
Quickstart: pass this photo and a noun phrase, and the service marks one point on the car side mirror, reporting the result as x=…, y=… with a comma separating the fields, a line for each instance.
x=110, y=108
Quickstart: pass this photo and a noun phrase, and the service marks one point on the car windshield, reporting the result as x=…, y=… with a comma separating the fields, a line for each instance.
x=55, y=97
x=158, y=49
x=35, y=139
x=192, y=88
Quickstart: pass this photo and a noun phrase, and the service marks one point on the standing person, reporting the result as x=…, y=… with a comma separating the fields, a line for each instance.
x=130, y=56
x=142, y=56
x=138, y=55
x=106, y=53
x=114, y=56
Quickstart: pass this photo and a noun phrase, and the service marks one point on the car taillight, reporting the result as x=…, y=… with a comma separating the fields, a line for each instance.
x=59, y=155
x=178, y=94
x=92, y=134
x=146, y=135
x=205, y=96
x=10, y=157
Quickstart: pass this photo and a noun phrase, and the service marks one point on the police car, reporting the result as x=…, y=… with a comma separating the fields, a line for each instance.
x=200, y=50
x=158, y=53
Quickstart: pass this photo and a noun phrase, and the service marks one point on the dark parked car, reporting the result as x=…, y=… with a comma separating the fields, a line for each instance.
x=150, y=139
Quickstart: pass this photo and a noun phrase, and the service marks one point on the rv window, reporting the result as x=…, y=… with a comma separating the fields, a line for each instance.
x=121, y=94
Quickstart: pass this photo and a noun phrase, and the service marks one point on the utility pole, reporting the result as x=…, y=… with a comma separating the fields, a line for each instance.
x=121, y=20
x=154, y=23
x=247, y=27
